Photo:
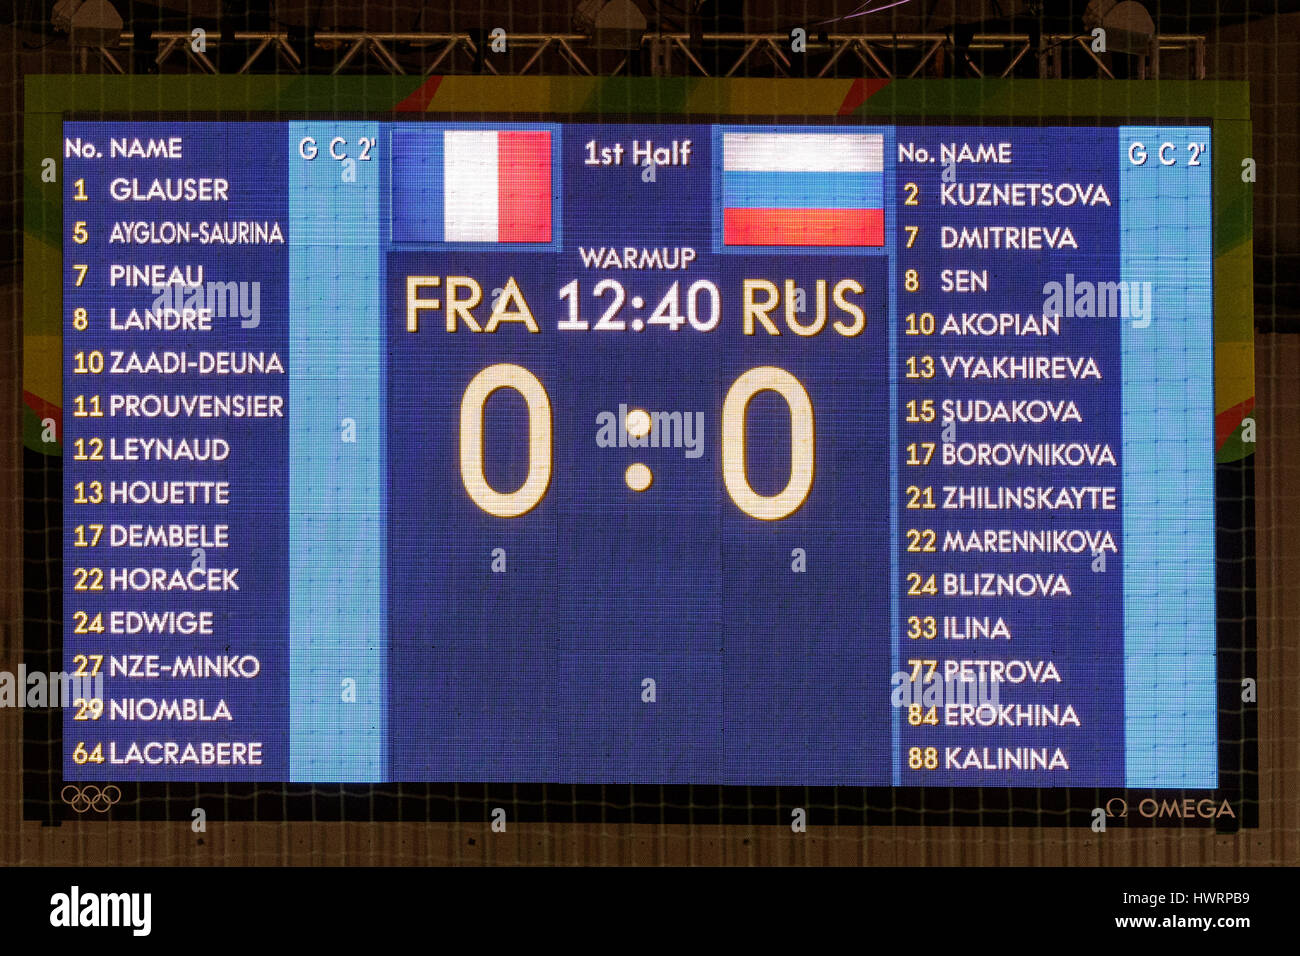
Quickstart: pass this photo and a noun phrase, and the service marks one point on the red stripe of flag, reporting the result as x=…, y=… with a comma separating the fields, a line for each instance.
x=524, y=182
x=803, y=227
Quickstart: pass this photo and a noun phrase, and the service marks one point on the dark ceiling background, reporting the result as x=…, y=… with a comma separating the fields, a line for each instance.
x=756, y=15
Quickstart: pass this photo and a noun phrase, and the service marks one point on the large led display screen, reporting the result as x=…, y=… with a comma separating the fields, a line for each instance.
x=659, y=453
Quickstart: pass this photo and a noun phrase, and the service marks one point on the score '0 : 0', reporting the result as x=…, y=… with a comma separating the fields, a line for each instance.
x=734, y=409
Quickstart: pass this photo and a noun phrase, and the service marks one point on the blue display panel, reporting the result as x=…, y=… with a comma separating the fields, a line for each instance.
x=662, y=453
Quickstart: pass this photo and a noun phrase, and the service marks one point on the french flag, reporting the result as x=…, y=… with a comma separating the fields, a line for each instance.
x=471, y=185
x=803, y=189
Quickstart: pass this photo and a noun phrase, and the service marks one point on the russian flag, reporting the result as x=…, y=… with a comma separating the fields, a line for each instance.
x=803, y=189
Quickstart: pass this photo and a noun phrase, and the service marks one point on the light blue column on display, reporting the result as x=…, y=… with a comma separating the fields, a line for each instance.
x=337, y=560
x=1167, y=499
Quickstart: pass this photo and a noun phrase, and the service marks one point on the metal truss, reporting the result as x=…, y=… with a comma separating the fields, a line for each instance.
x=671, y=54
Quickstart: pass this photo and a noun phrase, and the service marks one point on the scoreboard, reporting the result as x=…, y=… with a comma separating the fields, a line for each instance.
x=667, y=452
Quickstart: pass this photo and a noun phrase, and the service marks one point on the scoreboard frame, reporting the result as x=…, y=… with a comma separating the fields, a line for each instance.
x=1224, y=106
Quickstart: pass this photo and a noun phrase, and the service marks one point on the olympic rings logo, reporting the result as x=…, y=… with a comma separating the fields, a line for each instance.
x=92, y=797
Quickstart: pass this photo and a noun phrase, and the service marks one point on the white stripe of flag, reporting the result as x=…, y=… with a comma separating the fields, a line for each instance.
x=470, y=185
x=803, y=152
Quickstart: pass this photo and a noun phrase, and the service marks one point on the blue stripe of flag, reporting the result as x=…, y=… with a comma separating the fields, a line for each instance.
x=781, y=190
x=417, y=184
